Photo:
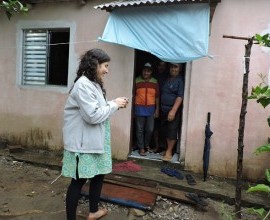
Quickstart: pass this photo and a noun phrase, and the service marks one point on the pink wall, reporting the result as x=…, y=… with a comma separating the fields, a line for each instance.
x=216, y=87
x=28, y=114
x=33, y=116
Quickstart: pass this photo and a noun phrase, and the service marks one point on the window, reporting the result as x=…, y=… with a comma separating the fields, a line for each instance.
x=45, y=57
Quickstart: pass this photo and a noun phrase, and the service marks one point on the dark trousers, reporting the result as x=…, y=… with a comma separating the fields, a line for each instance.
x=144, y=130
x=74, y=194
x=170, y=129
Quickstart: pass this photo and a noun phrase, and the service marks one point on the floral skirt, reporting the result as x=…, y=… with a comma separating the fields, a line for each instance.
x=90, y=164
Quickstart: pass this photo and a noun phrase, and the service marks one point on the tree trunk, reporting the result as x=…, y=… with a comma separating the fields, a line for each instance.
x=241, y=130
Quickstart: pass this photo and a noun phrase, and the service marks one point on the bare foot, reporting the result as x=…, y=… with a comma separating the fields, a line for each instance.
x=97, y=215
x=148, y=149
x=167, y=157
x=142, y=152
x=162, y=153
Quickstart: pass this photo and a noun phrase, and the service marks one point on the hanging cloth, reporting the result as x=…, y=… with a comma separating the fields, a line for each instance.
x=173, y=33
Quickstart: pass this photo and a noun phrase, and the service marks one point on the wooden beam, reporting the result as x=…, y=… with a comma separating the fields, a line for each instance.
x=237, y=37
x=241, y=129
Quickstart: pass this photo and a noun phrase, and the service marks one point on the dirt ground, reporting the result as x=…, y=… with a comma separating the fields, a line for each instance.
x=28, y=192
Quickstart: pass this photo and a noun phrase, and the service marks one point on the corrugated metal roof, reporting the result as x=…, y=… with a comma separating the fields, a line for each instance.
x=134, y=3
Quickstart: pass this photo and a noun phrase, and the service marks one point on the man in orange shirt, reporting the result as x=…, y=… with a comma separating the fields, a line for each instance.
x=146, y=107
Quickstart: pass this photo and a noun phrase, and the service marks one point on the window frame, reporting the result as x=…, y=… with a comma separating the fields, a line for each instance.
x=47, y=25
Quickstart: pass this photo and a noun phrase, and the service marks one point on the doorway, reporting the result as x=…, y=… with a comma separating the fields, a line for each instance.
x=142, y=57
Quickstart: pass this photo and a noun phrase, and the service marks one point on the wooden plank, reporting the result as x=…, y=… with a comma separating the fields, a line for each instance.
x=131, y=180
x=124, y=195
x=159, y=190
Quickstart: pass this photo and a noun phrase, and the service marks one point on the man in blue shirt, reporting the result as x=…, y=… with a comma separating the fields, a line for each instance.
x=172, y=94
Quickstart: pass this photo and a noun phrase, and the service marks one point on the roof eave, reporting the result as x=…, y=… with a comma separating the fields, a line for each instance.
x=109, y=7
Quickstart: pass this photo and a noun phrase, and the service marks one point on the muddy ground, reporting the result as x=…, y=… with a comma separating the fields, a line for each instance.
x=27, y=193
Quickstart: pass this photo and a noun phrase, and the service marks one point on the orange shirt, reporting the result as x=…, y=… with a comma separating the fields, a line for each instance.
x=146, y=92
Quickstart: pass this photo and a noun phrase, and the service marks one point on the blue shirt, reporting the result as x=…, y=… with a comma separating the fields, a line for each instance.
x=172, y=88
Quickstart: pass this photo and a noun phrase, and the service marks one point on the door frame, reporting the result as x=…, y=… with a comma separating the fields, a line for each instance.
x=185, y=113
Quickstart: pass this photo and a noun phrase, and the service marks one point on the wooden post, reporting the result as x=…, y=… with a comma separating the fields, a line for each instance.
x=241, y=130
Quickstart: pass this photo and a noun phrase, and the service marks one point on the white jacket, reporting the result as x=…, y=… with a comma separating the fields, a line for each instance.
x=84, y=117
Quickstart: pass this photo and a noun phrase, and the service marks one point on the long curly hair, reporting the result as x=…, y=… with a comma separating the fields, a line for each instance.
x=89, y=63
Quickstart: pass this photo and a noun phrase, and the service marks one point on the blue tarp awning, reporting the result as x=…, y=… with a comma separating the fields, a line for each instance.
x=173, y=33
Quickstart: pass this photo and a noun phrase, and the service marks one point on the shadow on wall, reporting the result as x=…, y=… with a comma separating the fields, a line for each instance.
x=34, y=138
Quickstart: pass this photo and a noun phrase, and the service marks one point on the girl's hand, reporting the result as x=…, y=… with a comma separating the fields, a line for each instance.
x=121, y=102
